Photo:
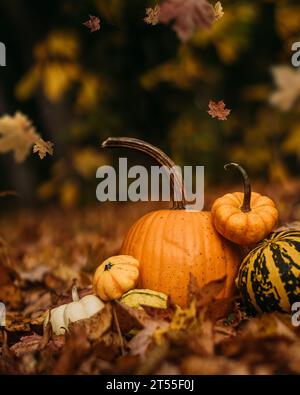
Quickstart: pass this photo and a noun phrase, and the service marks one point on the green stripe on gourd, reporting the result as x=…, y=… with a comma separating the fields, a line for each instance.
x=145, y=297
x=269, y=276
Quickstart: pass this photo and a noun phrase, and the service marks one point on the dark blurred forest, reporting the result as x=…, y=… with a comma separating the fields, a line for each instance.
x=133, y=79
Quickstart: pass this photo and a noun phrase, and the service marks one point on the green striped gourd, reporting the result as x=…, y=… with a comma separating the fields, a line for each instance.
x=269, y=276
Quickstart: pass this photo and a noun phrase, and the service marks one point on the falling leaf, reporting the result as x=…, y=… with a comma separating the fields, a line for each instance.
x=93, y=23
x=152, y=15
x=218, y=110
x=287, y=82
x=187, y=16
x=43, y=148
x=219, y=13
x=17, y=134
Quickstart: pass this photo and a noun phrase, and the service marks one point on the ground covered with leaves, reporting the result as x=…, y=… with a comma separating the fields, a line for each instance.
x=43, y=253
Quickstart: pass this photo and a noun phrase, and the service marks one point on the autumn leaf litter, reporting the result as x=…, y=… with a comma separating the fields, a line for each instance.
x=210, y=336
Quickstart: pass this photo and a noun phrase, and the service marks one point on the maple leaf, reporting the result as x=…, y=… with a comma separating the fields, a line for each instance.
x=287, y=82
x=93, y=23
x=187, y=15
x=43, y=148
x=17, y=134
x=152, y=15
x=218, y=110
x=219, y=13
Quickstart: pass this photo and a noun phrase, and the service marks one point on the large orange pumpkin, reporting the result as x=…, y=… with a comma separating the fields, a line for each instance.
x=171, y=244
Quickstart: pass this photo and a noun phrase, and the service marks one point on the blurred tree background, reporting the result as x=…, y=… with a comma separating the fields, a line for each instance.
x=138, y=80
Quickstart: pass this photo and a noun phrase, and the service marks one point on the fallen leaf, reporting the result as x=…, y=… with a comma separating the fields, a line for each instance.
x=95, y=326
x=140, y=343
x=154, y=359
x=194, y=365
x=11, y=295
x=218, y=110
x=187, y=16
x=205, y=295
x=76, y=349
x=129, y=318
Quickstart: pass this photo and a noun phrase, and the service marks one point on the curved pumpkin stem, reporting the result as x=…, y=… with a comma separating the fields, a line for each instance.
x=247, y=186
x=177, y=186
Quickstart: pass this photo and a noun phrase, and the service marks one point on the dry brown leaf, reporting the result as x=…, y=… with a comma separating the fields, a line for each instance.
x=187, y=16
x=76, y=349
x=140, y=343
x=154, y=359
x=129, y=318
x=218, y=110
x=205, y=295
x=95, y=326
x=16, y=322
x=11, y=295
x=194, y=365
x=269, y=325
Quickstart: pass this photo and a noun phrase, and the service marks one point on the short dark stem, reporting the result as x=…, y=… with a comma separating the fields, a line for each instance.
x=247, y=186
x=177, y=186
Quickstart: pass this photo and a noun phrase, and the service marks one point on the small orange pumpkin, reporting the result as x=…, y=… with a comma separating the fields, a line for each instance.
x=171, y=244
x=244, y=218
x=115, y=276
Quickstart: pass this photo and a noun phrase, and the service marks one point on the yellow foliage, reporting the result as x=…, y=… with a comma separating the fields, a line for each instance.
x=58, y=77
x=182, y=320
x=29, y=83
x=291, y=144
x=69, y=194
x=183, y=72
x=86, y=161
x=58, y=44
x=226, y=34
x=111, y=10
x=287, y=19
x=89, y=92
x=46, y=190
x=56, y=67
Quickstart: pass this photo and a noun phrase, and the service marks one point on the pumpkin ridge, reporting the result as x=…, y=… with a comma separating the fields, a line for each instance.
x=148, y=226
x=160, y=273
x=115, y=281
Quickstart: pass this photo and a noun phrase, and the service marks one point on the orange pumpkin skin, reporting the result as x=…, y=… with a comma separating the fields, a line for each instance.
x=171, y=244
x=240, y=227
